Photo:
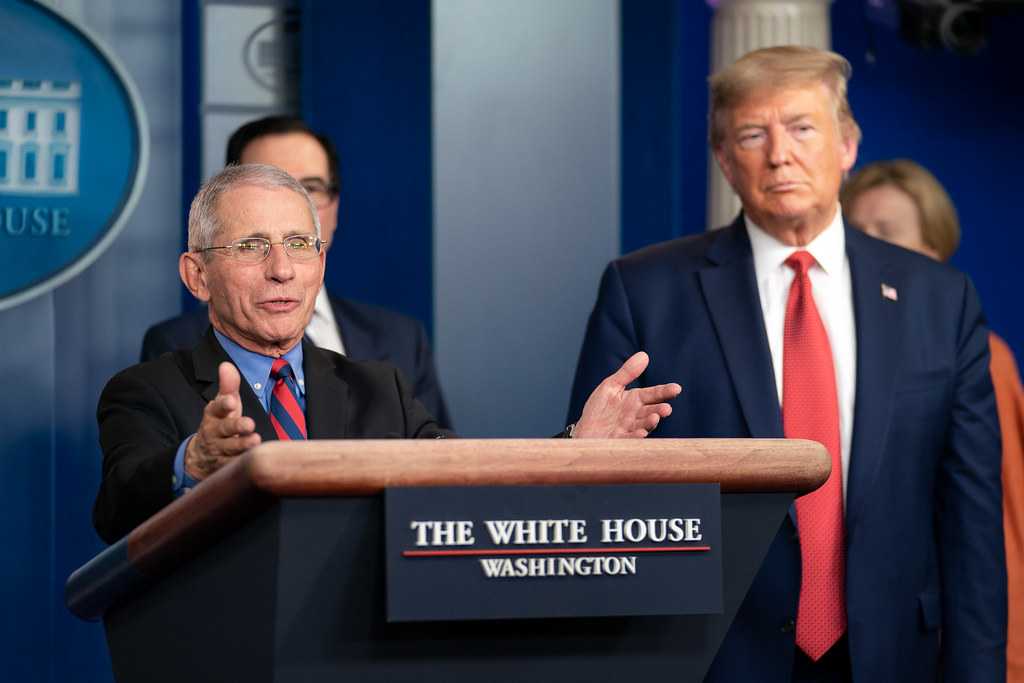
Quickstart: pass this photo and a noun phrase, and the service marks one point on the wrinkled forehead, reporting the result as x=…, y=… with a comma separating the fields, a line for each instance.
x=262, y=211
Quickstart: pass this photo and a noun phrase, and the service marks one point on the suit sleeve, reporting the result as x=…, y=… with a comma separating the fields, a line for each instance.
x=428, y=388
x=969, y=492
x=419, y=423
x=610, y=339
x=153, y=344
x=139, y=440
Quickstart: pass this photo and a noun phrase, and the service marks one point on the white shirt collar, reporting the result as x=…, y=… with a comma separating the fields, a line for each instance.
x=322, y=306
x=322, y=329
x=828, y=248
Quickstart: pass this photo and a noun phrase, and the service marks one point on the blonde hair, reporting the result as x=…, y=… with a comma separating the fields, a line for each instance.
x=940, y=227
x=780, y=67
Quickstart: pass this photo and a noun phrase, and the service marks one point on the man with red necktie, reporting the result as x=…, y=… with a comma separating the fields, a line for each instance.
x=788, y=323
x=352, y=328
x=256, y=258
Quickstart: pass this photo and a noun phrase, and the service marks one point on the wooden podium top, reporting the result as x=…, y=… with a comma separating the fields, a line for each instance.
x=353, y=468
x=281, y=469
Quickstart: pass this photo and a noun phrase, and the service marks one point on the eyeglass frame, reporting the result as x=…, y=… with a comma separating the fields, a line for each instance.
x=318, y=244
x=329, y=189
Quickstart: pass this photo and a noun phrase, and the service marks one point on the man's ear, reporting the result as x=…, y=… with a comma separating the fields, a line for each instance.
x=847, y=151
x=192, y=269
x=724, y=163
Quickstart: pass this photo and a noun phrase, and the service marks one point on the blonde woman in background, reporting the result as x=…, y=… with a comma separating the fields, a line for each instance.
x=901, y=202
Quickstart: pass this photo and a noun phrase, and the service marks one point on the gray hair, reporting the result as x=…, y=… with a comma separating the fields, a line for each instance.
x=203, y=221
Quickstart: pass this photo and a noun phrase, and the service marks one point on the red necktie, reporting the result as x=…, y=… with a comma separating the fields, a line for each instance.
x=810, y=410
x=285, y=411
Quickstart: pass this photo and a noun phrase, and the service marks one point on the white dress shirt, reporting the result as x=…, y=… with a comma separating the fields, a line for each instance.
x=833, y=295
x=322, y=329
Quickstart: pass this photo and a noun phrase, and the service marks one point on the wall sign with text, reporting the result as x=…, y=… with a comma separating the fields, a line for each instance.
x=508, y=552
x=73, y=149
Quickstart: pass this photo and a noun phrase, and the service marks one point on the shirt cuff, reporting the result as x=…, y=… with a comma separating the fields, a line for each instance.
x=181, y=481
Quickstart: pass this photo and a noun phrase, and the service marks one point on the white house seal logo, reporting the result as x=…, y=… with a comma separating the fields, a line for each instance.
x=73, y=150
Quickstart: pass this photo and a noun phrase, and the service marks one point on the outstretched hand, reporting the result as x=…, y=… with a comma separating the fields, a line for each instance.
x=612, y=411
x=224, y=432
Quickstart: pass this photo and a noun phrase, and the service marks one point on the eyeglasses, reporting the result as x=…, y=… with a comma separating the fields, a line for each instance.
x=321, y=192
x=257, y=249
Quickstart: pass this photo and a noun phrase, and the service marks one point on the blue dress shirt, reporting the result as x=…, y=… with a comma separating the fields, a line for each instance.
x=255, y=370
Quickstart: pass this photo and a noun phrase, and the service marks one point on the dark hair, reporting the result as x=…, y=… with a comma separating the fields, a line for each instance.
x=279, y=125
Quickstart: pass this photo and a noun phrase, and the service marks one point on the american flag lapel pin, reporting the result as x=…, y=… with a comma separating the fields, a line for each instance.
x=889, y=292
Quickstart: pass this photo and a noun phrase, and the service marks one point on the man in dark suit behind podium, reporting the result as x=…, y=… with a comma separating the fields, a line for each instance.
x=788, y=323
x=358, y=330
x=256, y=258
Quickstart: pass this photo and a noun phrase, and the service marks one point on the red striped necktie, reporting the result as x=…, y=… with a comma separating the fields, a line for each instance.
x=810, y=410
x=285, y=410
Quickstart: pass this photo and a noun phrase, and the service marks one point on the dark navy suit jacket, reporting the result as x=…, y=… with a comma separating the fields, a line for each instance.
x=147, y=410
x=923, y=512
x=369, y=333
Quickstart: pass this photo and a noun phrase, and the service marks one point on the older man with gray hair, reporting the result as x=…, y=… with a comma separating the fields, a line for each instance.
x=255, y=256
x=787, y=323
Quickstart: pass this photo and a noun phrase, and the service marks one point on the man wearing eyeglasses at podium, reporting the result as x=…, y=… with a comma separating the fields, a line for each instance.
x=357, y=330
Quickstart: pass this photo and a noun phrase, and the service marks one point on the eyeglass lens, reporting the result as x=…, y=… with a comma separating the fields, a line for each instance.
x=298, y=247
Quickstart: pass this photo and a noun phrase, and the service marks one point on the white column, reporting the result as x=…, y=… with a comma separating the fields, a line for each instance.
x=741, y=26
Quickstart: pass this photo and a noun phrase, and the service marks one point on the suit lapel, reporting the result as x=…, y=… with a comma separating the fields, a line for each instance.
x=327, y=395
x=206, y=357
x=878, y=343
x=730, y=290
x=358, y=342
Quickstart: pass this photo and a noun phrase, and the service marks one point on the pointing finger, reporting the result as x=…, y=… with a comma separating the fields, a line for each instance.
x=630, y=370
x=228, y=379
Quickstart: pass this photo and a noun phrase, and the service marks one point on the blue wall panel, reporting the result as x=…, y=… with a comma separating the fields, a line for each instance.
x=59, y=350
x=366, y=84
x=82, y=646
x=27, y=469
x=664, y=61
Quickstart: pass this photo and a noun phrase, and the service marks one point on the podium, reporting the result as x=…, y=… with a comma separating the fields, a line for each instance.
x=274, y=570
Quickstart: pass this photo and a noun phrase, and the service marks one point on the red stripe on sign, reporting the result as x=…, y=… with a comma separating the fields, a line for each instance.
x=556, y=551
